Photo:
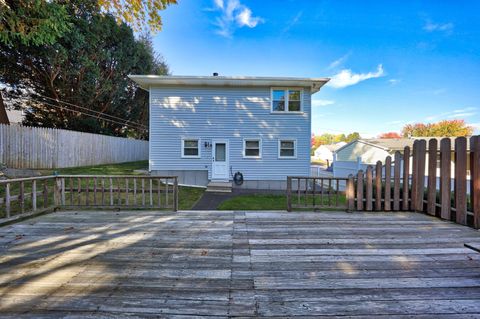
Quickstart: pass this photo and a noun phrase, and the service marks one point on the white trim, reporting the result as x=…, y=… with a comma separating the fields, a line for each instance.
x=285, y=90
x=295, y=147
x=199, y=145
x=259, y=147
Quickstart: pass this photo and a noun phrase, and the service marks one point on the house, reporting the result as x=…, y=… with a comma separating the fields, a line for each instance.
x=358, y=154
x=325, y=152
x=208, y=128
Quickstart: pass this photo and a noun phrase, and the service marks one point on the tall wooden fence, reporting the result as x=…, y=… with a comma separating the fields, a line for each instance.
x=45, y=148
x=391, y=187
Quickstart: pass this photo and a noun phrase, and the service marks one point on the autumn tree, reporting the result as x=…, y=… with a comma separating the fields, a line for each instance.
x=390, y=135
x=443, y=128
x=327, y=138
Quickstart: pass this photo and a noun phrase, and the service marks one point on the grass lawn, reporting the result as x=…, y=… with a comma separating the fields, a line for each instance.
x=107, y=169
x=272, y=202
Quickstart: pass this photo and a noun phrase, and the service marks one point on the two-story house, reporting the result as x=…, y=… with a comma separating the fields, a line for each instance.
x=254, y=131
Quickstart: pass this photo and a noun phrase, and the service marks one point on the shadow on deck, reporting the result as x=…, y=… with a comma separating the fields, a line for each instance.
x=224, y=264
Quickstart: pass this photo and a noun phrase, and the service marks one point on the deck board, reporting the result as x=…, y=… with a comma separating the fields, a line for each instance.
x=139, y=264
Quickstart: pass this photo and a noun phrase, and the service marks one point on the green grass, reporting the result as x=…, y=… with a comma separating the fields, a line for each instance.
x=274, y=202
x=107, y=169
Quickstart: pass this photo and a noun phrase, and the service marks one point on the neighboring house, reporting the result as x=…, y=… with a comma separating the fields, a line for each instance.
x=207, y=128
x=358, y=154
x=15, y=116
x=325, y=152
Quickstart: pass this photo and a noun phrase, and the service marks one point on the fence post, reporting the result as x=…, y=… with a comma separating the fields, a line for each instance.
x=289, y=193
x=420, y=168
x=369, y=189
x=406, y=178
x=432, y=177
x=396, y=180
x=7, y=200
x=445, y=178
x=175, y=194
x=461, y=180
x=378, y=186
x=475, y=179
x=360, y=190
x=413, y=194
x=350, y=194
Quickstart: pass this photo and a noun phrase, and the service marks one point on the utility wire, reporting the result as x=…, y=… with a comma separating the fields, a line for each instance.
x=91, y=115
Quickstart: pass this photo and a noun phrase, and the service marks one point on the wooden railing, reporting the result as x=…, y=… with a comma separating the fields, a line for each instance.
x=316, y=192
x=428, y=188
x=25, y=196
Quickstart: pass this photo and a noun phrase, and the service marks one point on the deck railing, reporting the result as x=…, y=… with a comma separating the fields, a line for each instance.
x=25, y=196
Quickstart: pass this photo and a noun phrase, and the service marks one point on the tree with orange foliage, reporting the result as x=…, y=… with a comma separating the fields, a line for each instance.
x=390, y=135
x=443, y=128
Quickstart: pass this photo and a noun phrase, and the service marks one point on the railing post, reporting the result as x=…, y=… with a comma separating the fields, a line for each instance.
x=388, y=184
x=378, y=186
x=289, y=194
x=360, y=190
x=420, y=168
x=406, y=178
x=475, y=179
x=175, y=194
x=445, y=178
x=350, y=192
x=57, y=192
x=432, y=177
x=369, y=189
x=7, y=200
x=396, y=180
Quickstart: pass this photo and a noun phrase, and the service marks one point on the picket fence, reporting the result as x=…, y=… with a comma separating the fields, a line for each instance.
x=45, y=148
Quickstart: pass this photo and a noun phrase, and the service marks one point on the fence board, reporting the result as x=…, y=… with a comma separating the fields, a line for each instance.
x=369, y=189
x=38, y=147
x=406, y=177
x=396, y=180
x=475, y=179
x=413, y=194
x=420, y=180
x=461, y=180
x=388, y=184
x=378, y=186
x=432, y=177
x=445, y=178
x=360, y=190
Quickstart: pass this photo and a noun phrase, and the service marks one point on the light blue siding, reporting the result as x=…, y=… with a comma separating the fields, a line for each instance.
x=229, y=113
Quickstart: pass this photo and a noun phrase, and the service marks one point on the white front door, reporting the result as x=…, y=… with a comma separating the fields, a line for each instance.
x=220, y=159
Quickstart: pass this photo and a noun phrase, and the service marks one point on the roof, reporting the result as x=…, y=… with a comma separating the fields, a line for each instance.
x=146, y=81
x=398, y=144
x=334, y=147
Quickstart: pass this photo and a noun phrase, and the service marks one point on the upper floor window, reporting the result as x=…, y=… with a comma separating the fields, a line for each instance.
x=286, y=100
x=190, y=148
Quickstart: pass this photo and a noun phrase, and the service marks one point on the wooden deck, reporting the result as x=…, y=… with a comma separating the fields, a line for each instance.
x=223, y=264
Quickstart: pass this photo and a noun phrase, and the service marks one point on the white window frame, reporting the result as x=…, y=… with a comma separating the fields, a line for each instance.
x=259, y=147
x=295, y=147
x=199, y=147
x=286, y=89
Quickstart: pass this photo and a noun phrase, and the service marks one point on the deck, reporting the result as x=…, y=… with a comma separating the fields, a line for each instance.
x=222, y=264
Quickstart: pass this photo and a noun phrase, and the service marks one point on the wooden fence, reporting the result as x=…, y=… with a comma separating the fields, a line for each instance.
x=26, y=196
x=391, y=187
x=46, y=148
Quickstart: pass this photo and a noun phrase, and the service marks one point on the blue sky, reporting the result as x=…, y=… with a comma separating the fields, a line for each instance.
x=391, y=62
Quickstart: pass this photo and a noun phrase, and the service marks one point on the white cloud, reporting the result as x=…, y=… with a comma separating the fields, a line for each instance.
x=458, y=113
x=440, y=27
x=293, y=22
x=319, y=103
x=347, y=78
x=394, y=81
x=233, y=15
x=338, y=62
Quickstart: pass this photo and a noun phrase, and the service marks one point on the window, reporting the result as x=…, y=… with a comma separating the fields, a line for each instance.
x=252, y=148
x=287, y=148
x=286, y=100
x=191, y=148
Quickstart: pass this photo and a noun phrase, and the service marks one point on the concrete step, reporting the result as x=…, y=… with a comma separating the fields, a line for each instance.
x=219, y=187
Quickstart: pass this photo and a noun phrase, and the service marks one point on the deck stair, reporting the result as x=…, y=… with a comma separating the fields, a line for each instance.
x=219, y=187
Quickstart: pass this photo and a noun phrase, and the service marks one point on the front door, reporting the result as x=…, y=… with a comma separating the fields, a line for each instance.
x=220, y=159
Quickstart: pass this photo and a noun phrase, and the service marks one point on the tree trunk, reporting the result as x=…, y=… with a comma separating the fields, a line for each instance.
x=3, y=112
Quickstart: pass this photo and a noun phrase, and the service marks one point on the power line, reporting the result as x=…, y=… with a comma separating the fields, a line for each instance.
x=91, y=115
x=90, y=110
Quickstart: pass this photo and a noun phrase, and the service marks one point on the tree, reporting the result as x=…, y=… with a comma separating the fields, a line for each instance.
x=443, y=128
x=87, y=66
x=353, y=137
x=327, y=138
x=390, y=135
x=140, y=14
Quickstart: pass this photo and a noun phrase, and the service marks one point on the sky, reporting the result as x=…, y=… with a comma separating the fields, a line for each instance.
x=390, y=62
